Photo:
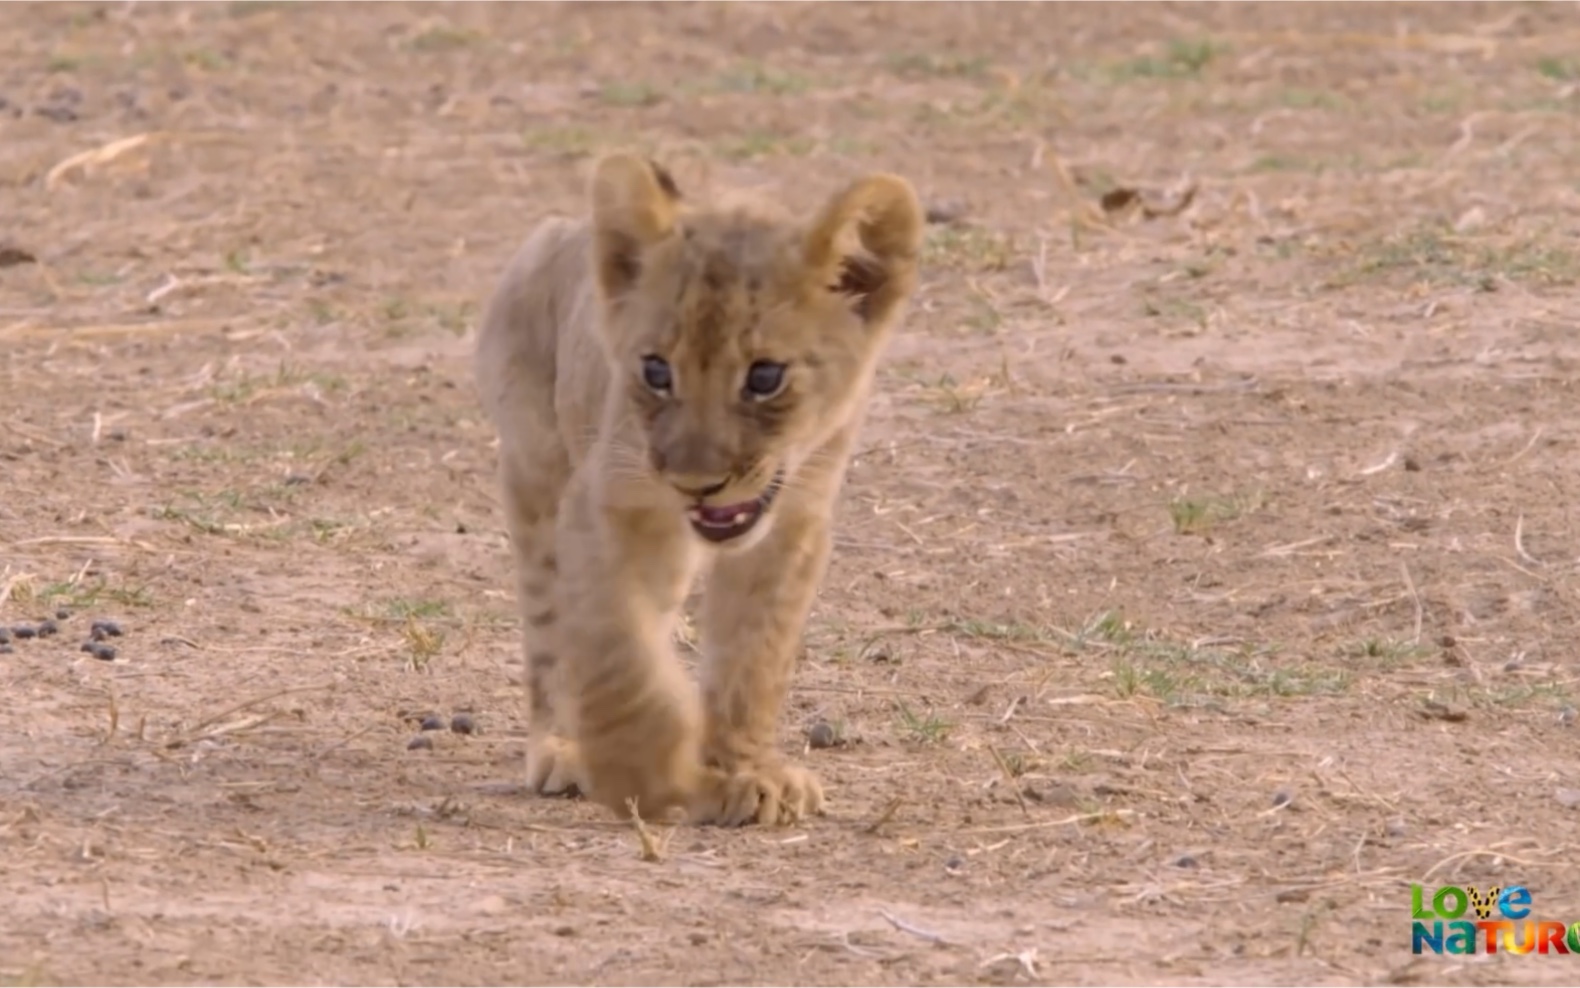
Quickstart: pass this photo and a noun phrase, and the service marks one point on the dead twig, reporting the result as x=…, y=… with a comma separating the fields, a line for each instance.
x=913, y=930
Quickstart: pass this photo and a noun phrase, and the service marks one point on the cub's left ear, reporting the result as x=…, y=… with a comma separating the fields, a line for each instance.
x=864, y=245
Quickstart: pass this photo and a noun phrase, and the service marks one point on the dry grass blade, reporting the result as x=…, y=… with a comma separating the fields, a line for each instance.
x=885, y=816
x=110, y=331
x=1015, y=828
x=652, y=846
x=94, y=157
x=196, y=731
x=1009, y=779
x=913, y=929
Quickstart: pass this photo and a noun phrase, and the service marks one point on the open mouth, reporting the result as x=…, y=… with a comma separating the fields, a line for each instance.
x=723, y=522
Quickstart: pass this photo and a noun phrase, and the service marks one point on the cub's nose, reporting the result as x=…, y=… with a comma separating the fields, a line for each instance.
x=698, y=488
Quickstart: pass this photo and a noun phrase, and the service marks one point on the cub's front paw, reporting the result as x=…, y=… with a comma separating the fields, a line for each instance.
x=655, y=760
x=554, y=767
x=772, y=792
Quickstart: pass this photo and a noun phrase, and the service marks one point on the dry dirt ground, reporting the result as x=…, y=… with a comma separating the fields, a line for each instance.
x=1209, y=574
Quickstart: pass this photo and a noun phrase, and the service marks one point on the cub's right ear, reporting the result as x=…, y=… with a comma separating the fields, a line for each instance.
x=634, y=206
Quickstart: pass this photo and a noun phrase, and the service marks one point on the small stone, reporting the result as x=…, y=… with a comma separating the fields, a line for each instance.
x=1282, y=797
x=24, y=631
x=297, y=479
x=945, y=210
x=697, y=938
x=62, y=614
x=1447, y=641
x=5, y=636
x=432, y=723
x=462, y=724
x=6, y=649
x=1396, y=827
x=105, y=629
x=822, y=735
x=566, y=931
x=421, y=742
x=47, y=628
x=1566, y=716
x=1186, y=861
x=104, y=653
x=954, y=864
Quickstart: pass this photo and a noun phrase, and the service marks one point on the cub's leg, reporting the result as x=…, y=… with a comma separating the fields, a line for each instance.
x=624, y=572
x=753, y=612
x=533, y=483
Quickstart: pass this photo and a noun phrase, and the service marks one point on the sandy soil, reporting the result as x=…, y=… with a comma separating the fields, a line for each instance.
x=1208, y=577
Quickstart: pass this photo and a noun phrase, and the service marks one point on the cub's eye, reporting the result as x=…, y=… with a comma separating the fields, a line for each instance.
x=764, y=379
x=656, y=374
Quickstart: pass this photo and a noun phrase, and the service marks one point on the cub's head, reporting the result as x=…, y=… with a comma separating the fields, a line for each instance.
x=744, y=338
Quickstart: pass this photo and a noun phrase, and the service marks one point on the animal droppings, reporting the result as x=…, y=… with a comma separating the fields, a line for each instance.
x=105, y=629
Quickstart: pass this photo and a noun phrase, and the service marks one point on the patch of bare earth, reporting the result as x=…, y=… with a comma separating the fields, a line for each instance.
x=1209, y=574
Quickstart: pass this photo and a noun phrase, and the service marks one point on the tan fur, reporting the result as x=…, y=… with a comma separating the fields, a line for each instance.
x=599, y=470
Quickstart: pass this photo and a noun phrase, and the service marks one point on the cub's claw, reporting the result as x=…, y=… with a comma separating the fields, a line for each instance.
x=770, y=793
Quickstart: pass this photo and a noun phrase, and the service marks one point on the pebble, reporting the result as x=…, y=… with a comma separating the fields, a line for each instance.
x=6, y=649
x=462, y=724
x=104, y=653
x=1282, y=797
x=5, y=636
x=1396, y=827
x=24, y=631
x=47, y=628
x=62, y=614
x=104, y=629
x=420, y=742
x=1185, y=861
x=432, y=723
x=822, y=735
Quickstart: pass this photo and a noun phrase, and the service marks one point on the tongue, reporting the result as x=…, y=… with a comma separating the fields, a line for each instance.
x=725, y=514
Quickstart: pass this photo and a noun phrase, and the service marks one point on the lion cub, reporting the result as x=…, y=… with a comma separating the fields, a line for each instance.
x=676, y=389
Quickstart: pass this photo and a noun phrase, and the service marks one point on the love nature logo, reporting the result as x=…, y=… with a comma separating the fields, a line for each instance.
x=1519, y=933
